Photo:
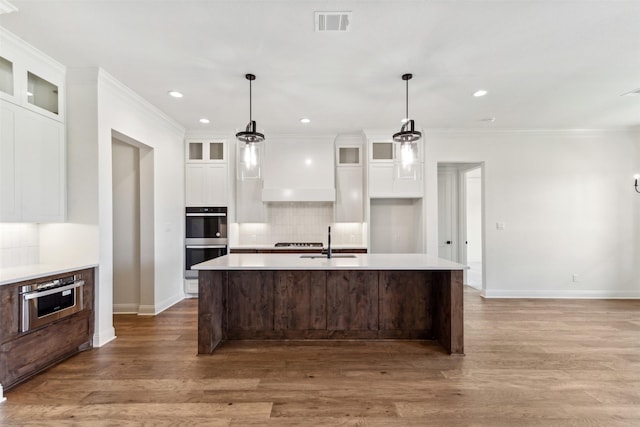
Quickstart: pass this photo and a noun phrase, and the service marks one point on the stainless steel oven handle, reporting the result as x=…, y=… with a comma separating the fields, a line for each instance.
x=38, y=294
x=206, y=246
x=206, y=214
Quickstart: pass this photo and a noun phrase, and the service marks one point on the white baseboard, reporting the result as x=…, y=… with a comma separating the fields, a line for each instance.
x=564, y=294
x=103, y=337
x=125, y=308
x=152, y=310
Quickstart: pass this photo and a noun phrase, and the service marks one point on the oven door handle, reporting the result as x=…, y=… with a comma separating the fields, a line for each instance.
x=206, y=214
x=38, y=294
x=206, y=246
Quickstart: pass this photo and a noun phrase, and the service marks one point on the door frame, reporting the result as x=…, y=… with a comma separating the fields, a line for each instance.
x=459, y=213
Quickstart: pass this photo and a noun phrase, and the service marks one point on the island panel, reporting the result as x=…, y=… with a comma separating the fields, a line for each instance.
x=352, y=303
x=448, y=312
x=300, y=302
x=211, y=300
x=406, y=304
x=251, y=295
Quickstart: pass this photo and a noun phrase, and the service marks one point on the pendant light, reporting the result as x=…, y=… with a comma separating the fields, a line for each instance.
x=407, y=131
x=407, y=160
x=249, y=147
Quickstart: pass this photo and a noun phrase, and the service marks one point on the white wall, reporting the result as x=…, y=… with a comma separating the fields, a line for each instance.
x=567, y=200
x=126, y=226
x=99, y=106
x=19, y=244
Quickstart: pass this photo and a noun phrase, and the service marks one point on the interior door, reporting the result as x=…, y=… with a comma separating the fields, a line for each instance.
x=447, y=210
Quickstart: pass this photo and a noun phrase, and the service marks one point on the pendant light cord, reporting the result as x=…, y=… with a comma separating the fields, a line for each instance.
x=250, y=101
x=407, y=101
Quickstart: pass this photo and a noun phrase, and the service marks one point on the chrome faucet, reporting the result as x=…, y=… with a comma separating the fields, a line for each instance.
x=327, y=251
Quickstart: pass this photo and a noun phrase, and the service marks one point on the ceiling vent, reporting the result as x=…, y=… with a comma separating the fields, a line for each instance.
x=332, y=21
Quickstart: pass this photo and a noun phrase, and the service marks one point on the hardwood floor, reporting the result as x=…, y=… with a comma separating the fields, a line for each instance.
x=528, y=362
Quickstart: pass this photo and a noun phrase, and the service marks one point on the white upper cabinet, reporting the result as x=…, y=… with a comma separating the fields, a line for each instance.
x=206, y=172
x=32, y=156
x=384, y=179
x=30, y=79
x=349, y=205
x=32, y=134
x=206, y=151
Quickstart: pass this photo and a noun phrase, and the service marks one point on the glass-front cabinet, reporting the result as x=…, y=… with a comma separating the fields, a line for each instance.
x=35, y=85
x=42, y=93
x=6, y=76
x=205, y=151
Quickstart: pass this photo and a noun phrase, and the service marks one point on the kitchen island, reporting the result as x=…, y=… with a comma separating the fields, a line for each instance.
x=362, y=296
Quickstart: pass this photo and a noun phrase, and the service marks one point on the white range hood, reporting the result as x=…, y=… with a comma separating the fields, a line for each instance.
x=299, y=169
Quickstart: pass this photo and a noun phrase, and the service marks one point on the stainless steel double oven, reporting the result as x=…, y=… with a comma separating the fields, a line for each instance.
x=205, y=236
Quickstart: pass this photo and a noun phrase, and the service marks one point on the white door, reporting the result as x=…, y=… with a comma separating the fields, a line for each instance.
x=447, y=213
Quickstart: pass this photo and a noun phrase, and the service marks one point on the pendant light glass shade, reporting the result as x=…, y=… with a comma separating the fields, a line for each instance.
x=249, y=154
x=249, y=164
x=407, y=159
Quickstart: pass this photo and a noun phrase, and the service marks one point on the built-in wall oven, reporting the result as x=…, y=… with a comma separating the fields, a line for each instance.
x=206, y=236
x=42, y=303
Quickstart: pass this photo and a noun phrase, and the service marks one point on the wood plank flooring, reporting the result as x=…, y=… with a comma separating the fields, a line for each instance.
x=527, y=363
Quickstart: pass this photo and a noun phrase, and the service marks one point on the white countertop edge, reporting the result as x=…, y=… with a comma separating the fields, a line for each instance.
x=357, y=262
x=36, y=271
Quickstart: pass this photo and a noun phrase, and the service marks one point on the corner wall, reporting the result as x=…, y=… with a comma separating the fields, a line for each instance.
x=98, y=106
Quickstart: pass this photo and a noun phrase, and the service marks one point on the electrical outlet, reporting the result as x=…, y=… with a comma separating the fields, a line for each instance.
x=575, y=277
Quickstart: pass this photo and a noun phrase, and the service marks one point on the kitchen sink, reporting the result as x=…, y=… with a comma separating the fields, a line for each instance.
x=324, y=256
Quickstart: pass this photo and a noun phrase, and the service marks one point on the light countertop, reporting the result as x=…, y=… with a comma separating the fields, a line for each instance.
x=338, y=262
x=35, y=271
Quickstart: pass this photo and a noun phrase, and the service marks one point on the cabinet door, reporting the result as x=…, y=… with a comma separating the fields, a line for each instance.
x=195, y=185
x=206, y=185
x=349, y=206
x=216, y=185
x=381, y=180
x=32, y=160
x=42, y=160
x=8, y=196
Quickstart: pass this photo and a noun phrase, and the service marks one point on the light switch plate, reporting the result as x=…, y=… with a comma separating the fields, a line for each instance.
x=500, y=225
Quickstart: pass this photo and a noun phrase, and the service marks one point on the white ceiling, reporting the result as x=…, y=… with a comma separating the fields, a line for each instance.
x=547, y=64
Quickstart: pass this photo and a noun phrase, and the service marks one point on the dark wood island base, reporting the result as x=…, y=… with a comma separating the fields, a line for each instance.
x=330, y=304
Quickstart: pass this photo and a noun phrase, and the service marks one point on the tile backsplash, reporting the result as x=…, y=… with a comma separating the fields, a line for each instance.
x=19, y=244
x=300, y=222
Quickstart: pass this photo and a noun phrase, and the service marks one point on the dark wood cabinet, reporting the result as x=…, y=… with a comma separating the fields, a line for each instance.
x=23, y=354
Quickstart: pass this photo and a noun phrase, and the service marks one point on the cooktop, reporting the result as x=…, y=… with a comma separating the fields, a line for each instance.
x=298, y=244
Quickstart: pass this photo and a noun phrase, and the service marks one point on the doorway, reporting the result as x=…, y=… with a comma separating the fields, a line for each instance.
x=132, y=179
x=460, y=218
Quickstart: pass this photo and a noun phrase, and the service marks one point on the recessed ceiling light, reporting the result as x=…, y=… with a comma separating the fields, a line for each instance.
x=176, y=94
x=205, y=121
x=488, y=119
x=480, y=92
x=305, y=120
